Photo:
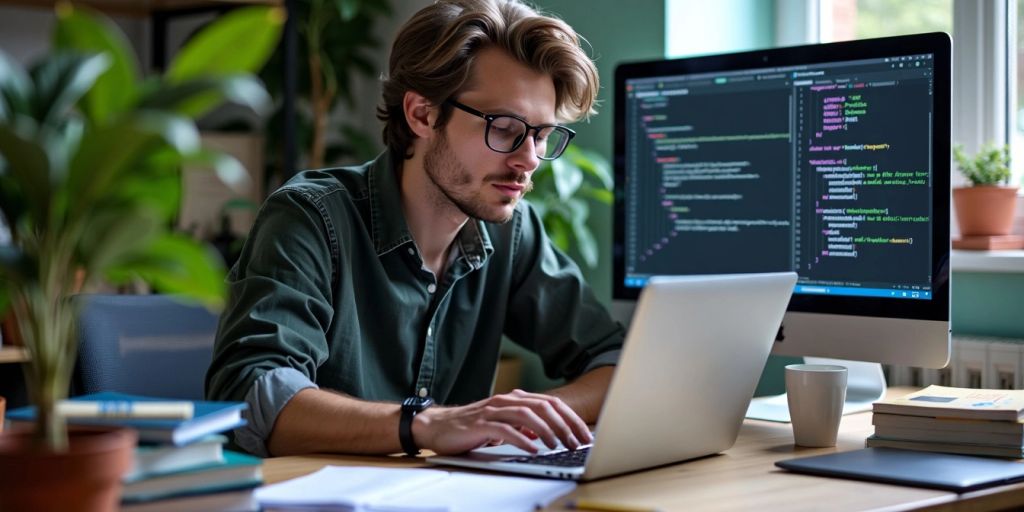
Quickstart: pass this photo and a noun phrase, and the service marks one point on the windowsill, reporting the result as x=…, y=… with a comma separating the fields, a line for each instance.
x=987, y=261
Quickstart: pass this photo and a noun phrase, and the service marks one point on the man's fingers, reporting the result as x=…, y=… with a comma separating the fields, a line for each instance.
x=575, y=423
x=524, y=416
x=578, y=426
x=550, y=417
x=510, y=435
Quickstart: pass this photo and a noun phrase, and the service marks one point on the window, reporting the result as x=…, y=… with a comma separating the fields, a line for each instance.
x=843, y=20
x=1016, y=65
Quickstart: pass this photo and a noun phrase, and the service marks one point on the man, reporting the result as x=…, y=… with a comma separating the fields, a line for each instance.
x=363, y=287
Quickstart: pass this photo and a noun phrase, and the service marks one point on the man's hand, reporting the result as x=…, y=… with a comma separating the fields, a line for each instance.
x=500, y=418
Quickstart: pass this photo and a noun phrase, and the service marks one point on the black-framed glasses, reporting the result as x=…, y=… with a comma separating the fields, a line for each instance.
x=505, y=133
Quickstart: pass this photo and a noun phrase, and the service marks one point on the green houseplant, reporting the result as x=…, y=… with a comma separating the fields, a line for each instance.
x=561, y=193
x=90, y=160
x=986, y=207
x=336, y=37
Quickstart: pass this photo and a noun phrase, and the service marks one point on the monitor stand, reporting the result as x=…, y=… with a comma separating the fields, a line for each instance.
x=865, y=384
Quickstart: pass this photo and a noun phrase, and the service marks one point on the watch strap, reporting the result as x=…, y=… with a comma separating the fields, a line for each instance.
x=410, y=408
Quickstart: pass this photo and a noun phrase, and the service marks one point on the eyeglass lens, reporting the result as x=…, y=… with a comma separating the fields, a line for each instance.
x=507, y=133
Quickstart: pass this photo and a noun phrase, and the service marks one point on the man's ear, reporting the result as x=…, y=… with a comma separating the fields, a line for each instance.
x=420, y=114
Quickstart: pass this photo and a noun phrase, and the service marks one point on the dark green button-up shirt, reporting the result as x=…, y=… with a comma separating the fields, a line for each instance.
x=331, y=291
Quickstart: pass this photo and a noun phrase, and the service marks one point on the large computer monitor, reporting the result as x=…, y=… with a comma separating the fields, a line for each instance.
x=832, y=160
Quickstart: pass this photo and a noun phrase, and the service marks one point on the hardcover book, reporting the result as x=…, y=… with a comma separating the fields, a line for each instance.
x=961, y=448
x=947, y=402
x=209, y=418
x=1015, y=441
x=948, y=424
x=152, y=460
x=237, y=471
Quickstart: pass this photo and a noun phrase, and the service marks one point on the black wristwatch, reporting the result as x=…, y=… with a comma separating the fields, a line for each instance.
x=410, y=408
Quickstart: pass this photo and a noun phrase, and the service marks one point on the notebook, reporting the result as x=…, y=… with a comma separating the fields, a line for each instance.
x=958, y=473
x=691, y=361
x=378, y=489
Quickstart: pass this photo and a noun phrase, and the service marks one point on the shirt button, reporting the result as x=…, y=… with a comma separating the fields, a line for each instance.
x=423, y=392
x=412, y=252
x=430, y=331
x=431, y=287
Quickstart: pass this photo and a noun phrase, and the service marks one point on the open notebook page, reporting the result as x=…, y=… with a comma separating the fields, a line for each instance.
x=345, y=488
x=466, y=492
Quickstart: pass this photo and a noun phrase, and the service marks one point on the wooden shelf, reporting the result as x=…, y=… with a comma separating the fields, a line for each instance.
x=13, y=355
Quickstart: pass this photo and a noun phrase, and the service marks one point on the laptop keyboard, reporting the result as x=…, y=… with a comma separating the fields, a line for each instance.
x=565, y=458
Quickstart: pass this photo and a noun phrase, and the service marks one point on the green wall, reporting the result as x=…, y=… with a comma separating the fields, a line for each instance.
x=988, y=304
x=697, y=27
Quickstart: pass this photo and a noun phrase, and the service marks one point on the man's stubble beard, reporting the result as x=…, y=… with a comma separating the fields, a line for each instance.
x=448, y=176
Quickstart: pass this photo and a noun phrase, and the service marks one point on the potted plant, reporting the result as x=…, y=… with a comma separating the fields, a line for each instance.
x=561, y=190
x=90, y=156
x=986, y=207
x=336, y=38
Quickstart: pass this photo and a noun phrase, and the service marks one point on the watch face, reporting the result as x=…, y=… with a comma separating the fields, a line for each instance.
x=415, y=403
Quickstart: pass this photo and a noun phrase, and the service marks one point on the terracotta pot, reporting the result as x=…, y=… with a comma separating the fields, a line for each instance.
x=9, y=329
x=985, y=210
x=86, y=478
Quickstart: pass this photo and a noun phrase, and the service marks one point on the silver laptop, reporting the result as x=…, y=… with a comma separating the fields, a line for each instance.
x=692, y=358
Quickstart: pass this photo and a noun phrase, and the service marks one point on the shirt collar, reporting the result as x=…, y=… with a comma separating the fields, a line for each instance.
x=388, y=226
x=387, y=218
x=474, y=243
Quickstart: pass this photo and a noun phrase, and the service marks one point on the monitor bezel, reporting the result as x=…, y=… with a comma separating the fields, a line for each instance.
x=936, y=43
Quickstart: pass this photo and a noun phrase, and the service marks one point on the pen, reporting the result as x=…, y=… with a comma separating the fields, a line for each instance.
x=603, y=506
x=181, y=410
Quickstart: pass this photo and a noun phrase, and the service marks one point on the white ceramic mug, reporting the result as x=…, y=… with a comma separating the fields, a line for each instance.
x=816, y=393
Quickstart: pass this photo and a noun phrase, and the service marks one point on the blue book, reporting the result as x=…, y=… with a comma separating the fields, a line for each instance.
x=208, y=418
x=157, y=459
x=237, y=471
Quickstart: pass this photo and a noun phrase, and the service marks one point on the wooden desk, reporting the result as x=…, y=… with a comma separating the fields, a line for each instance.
x=741, y=478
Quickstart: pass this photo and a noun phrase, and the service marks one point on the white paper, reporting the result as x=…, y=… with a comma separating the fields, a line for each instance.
x=410, y=490
x=466, y=492
x=345, y=487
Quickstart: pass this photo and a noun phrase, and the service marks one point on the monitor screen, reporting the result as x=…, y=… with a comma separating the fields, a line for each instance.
x=830, y=160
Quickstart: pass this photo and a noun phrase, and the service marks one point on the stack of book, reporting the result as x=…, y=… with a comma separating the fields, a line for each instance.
x=180, y=463
x=952, y=420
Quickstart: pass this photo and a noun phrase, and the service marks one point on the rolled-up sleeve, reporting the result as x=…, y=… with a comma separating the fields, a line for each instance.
x=552, y=310
x=271, y=338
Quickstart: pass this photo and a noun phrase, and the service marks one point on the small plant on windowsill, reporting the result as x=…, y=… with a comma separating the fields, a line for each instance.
x=986, y=207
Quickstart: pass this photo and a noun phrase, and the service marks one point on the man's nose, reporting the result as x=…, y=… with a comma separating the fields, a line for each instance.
x=525, y=158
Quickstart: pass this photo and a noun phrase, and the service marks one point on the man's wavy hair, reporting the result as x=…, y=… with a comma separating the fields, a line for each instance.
x=433, y=55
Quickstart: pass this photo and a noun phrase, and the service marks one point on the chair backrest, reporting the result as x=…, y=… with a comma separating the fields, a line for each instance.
x=143, y=344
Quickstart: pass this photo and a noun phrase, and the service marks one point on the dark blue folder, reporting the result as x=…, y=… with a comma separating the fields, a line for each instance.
x=958, y=473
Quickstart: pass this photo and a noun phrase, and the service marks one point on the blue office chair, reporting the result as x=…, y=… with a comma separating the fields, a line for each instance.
x=143, y=344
